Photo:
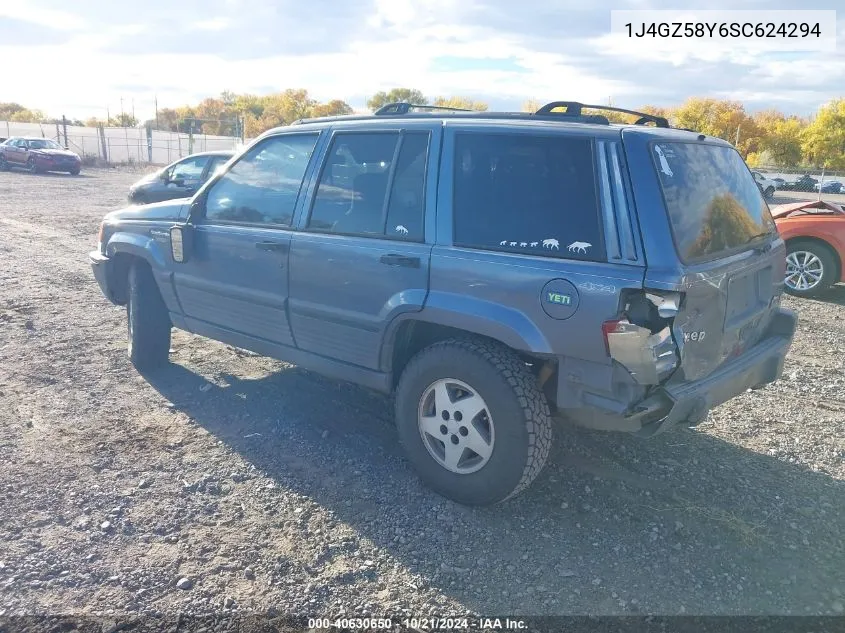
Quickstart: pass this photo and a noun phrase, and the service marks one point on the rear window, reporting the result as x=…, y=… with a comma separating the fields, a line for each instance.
x=527, y=194
x=714, y=204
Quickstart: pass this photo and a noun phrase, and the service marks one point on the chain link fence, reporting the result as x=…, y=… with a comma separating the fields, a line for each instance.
x=122, y=146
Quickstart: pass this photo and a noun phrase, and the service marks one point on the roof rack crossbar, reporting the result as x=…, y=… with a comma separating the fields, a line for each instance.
x=574, y=108
x=404, y=108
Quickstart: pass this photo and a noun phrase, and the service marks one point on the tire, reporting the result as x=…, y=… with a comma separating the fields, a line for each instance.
x=4, y=165
x=148, y=321
x=32, y=166
x=819, y=267
x=769, y=193
x=74, y=172
x=515, y=427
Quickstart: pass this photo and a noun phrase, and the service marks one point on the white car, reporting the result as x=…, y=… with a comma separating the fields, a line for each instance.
x=767, y=185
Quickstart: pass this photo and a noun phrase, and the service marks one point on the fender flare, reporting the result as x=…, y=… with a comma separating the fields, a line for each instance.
x=476, y=316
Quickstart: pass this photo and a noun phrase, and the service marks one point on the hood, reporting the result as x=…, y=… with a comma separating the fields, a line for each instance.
x=55, y=152
x=167, y=210
x=151, y=177
x=783, y=210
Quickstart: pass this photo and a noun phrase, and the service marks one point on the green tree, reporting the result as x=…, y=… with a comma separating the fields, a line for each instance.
x=463, y=103
x=824, y=138
x=396, y=95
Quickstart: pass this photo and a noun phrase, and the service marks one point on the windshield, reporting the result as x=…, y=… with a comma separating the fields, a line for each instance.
x=714, y=204
x=43, y=143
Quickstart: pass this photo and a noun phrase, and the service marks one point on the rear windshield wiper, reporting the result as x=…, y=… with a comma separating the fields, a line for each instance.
x=763, y=247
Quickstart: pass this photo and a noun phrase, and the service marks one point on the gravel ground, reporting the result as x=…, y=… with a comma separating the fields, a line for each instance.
x=233, y=482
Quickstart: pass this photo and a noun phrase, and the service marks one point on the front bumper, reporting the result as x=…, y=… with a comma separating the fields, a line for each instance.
x=689, y=402
x=102, y=268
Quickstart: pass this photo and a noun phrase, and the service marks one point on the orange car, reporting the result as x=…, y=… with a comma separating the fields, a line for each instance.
x=814, y=232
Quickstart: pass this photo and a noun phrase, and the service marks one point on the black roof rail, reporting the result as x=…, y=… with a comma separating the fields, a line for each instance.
x=404, y=108
x=574, y=108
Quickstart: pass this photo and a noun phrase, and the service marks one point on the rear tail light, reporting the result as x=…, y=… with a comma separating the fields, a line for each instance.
x=611, y=327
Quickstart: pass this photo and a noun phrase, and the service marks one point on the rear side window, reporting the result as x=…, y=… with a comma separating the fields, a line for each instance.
x=362, y=192
x=713, y=201
x=527, y=194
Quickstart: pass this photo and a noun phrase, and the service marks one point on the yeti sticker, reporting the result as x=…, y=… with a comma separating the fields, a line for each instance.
x=664, y=164
x=401, y=229
x=534, y=244
x=579, y=247
x=551, y=243
x=523, y=244
x=503, y=243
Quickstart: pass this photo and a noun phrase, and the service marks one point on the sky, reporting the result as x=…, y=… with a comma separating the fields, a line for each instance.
x=80, y=58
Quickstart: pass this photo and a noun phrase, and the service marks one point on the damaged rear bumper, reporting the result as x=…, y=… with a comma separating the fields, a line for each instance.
x=689, y=402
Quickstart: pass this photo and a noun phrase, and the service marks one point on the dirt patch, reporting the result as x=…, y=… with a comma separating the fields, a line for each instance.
x=264, y=486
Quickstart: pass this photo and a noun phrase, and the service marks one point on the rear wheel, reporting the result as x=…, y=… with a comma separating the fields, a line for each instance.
x=147, y=319
x=810, y=268
x=473, y=422
x=4, y=165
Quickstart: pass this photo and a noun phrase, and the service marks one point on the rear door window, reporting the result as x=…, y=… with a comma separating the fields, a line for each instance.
x=527, y=194
x=715, y=206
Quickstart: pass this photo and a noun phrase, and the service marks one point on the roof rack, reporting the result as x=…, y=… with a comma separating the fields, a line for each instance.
x=573, y=108
x=404, y=108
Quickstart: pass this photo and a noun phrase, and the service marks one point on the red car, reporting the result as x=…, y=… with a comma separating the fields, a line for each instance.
x=814, y=232
x=37, y=155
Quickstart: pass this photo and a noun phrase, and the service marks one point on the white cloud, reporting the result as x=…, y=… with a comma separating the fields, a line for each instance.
x=398, y=48
x=26, y=11
x=214, y=24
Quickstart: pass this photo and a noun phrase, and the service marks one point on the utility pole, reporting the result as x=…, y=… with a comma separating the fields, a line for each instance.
x=122, y=122
x=133, y=108
x=108, y=117
x=736, y=143
x=156, y=102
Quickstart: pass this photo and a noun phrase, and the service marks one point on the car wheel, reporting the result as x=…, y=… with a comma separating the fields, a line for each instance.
x=4, y=165
x=810, y=268
x=147, y=320
x=770, y=191
x=32, y=166
x=74, y=172
x=473, y=421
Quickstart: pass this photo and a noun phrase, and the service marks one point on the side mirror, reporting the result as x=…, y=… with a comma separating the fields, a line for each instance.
x=181, y=242
x=164, y=176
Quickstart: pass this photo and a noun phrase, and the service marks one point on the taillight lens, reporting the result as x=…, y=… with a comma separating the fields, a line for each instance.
x=611, y=327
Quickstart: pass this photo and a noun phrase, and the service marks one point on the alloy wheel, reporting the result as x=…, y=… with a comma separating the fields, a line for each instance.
x=456, y=426
x=804, y=270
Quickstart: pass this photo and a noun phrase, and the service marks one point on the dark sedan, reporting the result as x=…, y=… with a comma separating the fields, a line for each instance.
x=180, y=179
x=37, y=155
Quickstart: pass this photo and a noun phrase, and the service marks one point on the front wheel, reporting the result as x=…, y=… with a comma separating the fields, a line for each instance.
x=810, y=269
x=473, y=421
x=147, y=319
x=74, y=172
x=770, y=191
x=32, y=166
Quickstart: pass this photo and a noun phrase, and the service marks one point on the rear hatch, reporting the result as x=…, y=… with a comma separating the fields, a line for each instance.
x=731, y=260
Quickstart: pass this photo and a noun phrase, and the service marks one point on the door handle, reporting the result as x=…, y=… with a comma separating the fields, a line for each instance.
x=281, y=247
x=400, y=260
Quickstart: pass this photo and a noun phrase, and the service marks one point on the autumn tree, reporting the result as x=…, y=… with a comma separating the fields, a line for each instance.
x=824, y=138
x=396, y=95
x=335, y=107
x=723, y=119
x=462, y=103
x=531, y=105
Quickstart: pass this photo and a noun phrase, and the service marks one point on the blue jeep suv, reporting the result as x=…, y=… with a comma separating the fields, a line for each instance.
x=493, y=271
